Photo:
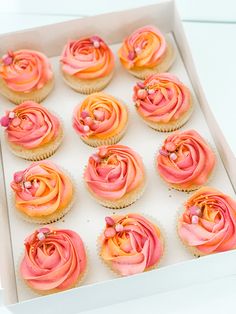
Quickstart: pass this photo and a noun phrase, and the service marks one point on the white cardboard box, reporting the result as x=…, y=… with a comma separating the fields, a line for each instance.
x=101, y=289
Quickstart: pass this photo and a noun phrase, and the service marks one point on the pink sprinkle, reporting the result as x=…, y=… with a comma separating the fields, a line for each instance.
x=5, y=121
x=110, y=232
x=86, y=128
x=119, y=228
x=163, y=152
x=138, y=50
x=141, y=84
x=44, y=230
x=194, y=210
x=102, y=151
x=41, y=236
x=11, y=114
x=27, y=184
x=151, y=91
x=131, y=55
x=142, y=93
x=7, y=60
x=170, y=146
x=96, y=44
x=16, y=121
x=109, y=221
x=96, y=158
x=195, y=219
x=18, y=176
x=84, y=114
x=95, y=38
x=173, y=156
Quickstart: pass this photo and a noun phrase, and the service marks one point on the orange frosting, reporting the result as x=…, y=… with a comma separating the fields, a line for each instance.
x=99, y=116
x=53, y=259
x=131, y=243
x=25, y=70
x=41, y=189
x=185, y=159
x=87, y=58
x=208, y=222
x=144, y=48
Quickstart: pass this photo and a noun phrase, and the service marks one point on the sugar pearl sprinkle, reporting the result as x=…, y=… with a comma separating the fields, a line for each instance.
x=173, y=156
x=86, y=128
x=41, y=236
x=27, y=184
x=11, y=114
x=195, y=219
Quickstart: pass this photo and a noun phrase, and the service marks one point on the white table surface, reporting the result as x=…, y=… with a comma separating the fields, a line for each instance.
x=210, y=26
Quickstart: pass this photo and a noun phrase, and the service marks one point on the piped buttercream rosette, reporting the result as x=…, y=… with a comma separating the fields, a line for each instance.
x=54, y=260
x=115, y=176
x=185, y=161
x=208, y=223
x=101, y=119
x=43, y=193
x=131, y=244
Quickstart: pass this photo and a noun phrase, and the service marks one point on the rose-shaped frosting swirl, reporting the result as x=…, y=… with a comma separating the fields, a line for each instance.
x=53, y=259
x=41, y=189
x=162, y=98
x=114, y=171
x=145, y=47
x=208, y=223
x=185, y=159
x=25, y=70
x=87, y=58
x=99, y=116
x=30, y=125
x=131, y=243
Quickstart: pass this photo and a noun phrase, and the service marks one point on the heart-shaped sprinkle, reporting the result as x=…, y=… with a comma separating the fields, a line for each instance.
x=142, y=93
x=131, y=55
x=84, y=114
x=110, y=232
x=163, y=152
x=109, y=221
x=96, y=158
x=119, y=228
x=195, y=210
x=170, y=146
x=44, y=230
x=18, y=176
x=5, y=121
x=141, y=84
x=7, y=60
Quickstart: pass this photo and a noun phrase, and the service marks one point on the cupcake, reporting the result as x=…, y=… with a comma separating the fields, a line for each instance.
x=185, y=161
x=100, y=120
x=43, y=193
x=53, y=261
x=25, y=75
x=208, y=222
x=146, y=51
x=115, y=176
x=163, y=102
x=31, y=131
x=131, y=244
x=87, y=64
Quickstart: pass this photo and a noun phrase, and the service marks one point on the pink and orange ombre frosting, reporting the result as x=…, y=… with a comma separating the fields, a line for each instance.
x=25, y=70
x=208, y=222
x=30, y=125
x=41, y=189
x=114, y=171
x=162, y=98
x=185, y=160
x=87, y=58
x=53, y=259
x=100, y=116
x=131, y=244
x=144, y=48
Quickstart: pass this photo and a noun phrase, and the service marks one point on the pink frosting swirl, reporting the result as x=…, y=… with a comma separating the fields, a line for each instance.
x=53, y=259
x=25, y=70
x=87, y=58
x=162, y=98
x=208, y=223
x=185, y=159
x=114, y=171
x=30, y=125
x=131, y=244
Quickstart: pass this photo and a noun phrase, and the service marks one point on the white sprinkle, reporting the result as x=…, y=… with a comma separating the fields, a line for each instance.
x=27, y=184
x=96, y=44
x=86, y=128
x=11, y=115
x=40, y=236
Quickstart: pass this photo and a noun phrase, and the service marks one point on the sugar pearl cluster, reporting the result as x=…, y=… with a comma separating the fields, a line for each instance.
x=169, y=150
x=112, y=228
